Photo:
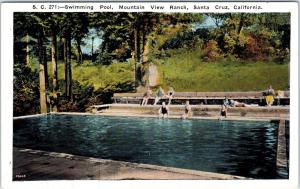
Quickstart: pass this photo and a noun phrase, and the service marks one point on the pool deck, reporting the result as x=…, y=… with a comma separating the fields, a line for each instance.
x=251, y=112
x=208, y=112
x=31, y=164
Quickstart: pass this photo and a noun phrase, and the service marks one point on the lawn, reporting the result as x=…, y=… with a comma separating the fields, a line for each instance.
x=99, y=76
x=185, y=71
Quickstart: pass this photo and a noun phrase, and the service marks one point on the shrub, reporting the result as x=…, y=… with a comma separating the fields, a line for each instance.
x=26, y=90
x=211, y=51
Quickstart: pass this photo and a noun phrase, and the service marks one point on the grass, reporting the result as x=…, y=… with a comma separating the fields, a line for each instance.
x=99, y=76
x=185, y=71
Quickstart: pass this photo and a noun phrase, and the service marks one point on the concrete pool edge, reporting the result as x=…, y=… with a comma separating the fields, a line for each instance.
x=125, y=170
x=206, y=112
x=30, y=116
x=233, y=118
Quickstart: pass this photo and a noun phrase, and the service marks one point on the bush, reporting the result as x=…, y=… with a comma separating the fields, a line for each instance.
x=211, y=51
x=26, y=91
x=104, y=58
x=183, y=40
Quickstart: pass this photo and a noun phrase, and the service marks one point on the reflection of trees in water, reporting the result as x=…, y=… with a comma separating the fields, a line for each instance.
x=254, y=155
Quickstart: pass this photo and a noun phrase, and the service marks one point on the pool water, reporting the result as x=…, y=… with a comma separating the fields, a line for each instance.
x=244, y=148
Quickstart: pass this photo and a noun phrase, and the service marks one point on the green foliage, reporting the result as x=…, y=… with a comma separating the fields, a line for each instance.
x=101, y=77
x=186, y=39
x=94, y=84
x=243, y=52
x=263, y=37
x=104, y=58
x=26, y=90
x=196, y=75
x=211, y=51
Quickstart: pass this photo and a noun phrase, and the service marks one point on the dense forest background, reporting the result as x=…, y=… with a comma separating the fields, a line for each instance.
x=70, y=61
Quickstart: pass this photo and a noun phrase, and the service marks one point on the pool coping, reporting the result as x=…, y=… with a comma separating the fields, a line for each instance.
x=138, y=167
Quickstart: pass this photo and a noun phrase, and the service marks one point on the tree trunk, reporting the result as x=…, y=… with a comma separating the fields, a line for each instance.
x=138, y=42
x=43, y=103
x=135, y=56
x=79, y=52
x=70, y=95
x=46, y=68
x=61, y=49
x=64, y=41
x=241, y=23
x=143, y=37
x=144, y=44
x=68, y=73
x=54, y=70
x=27, y=50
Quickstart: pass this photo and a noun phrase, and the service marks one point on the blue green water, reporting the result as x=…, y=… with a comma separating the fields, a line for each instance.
x=244, y=148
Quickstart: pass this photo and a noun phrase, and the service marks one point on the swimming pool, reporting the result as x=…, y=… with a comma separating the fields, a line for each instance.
x=244, y=148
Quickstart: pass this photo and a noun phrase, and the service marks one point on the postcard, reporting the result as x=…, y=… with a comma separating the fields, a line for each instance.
x=149, y=94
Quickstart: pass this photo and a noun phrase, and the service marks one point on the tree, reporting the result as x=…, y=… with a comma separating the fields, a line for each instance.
x=79, y=30
x=39, y=22
x=24, y=30
x=54, y=30
x=42, y=71
x=50, y=24
x=66, y=23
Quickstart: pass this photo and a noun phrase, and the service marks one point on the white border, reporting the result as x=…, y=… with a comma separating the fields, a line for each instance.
x=7, y=10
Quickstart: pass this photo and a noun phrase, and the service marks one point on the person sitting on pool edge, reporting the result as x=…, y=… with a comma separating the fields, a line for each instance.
x=269, y=95
x=187, y=111
x=269, y=91
x=163, y=111
x=226, y=102
x=159, y=94
x=170, y=94
x=147, y=95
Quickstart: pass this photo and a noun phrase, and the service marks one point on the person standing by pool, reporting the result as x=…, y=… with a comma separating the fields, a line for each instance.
x=223, y=112
x=147, y=95
x=159, y=94
x=170, y=94
x=163, y=111
x=187, y=111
